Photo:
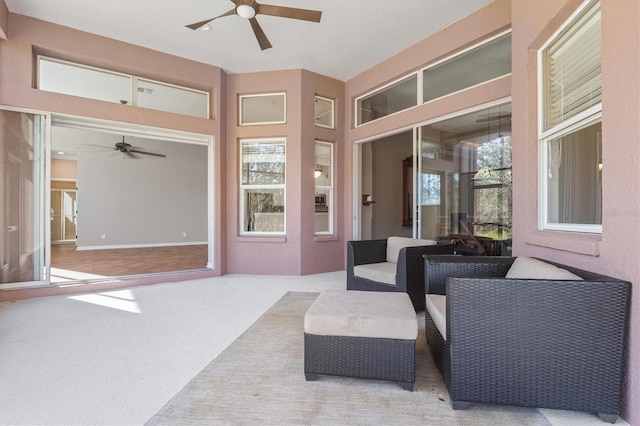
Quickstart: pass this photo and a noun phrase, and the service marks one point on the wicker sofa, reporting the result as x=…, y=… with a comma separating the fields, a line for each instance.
x=394, y=264
x=543, y=343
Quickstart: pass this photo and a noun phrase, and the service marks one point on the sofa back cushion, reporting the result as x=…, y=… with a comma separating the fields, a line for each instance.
x=529, y=268
x=394, y=244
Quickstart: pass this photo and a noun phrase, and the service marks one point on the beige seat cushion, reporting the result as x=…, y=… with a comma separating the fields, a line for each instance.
x=353, y=313
x=394, y=244
x=436, y=305
x=528, y=268
x=384, y=272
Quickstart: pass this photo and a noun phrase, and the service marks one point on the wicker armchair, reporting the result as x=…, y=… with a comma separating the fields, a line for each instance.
x=409, y=269
x=529, y=342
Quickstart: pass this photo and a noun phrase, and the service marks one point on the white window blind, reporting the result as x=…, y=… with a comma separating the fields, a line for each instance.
x=263, y=152
x=573, y=71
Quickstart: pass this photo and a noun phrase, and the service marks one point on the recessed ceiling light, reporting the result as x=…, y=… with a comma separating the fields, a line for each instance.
x=206, y=27
x=60, y=152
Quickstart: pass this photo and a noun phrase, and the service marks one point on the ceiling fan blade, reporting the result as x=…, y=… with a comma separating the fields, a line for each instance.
x=129, y=154
x=289, y=12
x=263, y=41
x=145, y=153
x=197, y=25
x=92, y=147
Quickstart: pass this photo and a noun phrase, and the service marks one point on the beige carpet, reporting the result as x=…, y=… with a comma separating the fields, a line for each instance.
x=259, y=379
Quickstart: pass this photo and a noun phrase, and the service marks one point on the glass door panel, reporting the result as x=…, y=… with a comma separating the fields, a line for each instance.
x=463, y=179
x=22, y=199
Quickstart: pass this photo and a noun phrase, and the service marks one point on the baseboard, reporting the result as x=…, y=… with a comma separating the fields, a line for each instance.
x=126, y=246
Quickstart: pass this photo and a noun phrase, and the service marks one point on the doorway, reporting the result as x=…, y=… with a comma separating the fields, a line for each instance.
x=63, y=212
x=450, y=176
x=138, y=212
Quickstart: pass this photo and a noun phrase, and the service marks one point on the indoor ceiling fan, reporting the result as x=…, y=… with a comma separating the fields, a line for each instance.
x=248, y=9
x=130, y=150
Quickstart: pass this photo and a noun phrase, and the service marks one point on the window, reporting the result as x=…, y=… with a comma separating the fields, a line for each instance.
x=481, y=64
x=430, y=189
x=77, y=80
x=324, y=112
x=262, y=186
x=398, y=96
x=492, y=196
x=170, y=98
x=263, y=109
x=323, y=174
x=94, y=83
x=570, y=125
x=476, y=65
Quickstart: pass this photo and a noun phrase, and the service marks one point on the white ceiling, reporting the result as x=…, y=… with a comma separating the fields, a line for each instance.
x=353, y=35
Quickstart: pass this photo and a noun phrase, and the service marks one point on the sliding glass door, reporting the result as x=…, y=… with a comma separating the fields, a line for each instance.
x=463, y=179
x=23, y=197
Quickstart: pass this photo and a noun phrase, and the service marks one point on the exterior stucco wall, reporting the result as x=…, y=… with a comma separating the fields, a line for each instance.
x=321, y=253
x=298, y=252
x=4, y=20
x=612, y=253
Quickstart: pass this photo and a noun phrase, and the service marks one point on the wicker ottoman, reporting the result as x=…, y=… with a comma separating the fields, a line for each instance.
x=363, y=334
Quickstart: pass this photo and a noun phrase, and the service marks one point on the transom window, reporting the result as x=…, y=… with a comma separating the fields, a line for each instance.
x=324, y=112
x=69, y=78
x=479, y=64
x=270, y=108
x=570, y=142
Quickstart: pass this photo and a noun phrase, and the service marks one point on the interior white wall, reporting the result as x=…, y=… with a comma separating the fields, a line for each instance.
x=138, y=202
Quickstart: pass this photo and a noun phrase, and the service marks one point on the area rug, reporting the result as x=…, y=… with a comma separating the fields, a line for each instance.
x=259, y=379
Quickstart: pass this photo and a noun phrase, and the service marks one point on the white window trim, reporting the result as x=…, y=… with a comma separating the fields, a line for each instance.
x=330, y=190
x=262, y=123
x=133, y=79
x=544, y=223
x=333, y=112
x=586, y=118
x=243, y=187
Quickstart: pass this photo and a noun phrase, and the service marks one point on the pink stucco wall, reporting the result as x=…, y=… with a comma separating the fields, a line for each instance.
x=4, y=20
x=298, y=252
x=613, y=252
x=322, y=253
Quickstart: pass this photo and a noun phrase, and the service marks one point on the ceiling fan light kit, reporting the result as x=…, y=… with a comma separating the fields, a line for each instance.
x=248, y=9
